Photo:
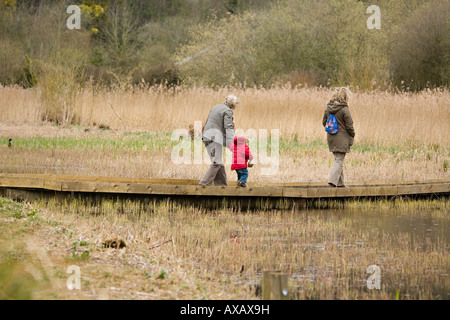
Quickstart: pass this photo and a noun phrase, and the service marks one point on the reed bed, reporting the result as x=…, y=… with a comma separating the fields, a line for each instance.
x=380, y=117
x=187, y=253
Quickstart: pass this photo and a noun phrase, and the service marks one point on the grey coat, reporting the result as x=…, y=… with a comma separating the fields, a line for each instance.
x=219, y=126
x=343, y=140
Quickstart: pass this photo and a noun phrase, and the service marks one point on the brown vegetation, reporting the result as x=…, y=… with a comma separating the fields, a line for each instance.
x=380, y=117
x=221, y=255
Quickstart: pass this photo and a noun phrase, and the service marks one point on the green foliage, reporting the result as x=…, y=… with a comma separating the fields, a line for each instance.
x=220, y=42
x=81, y=243
x=221, y=52
x=83, y=255
x=420, y=57
x=321, y=43
x=162, y=274
x=92, y=9
x=133, y=141
x=10, y=208
x=16, y=210
x=77, y=257
x=293, y=39
x=148, y=275
x=28, y=79
x=8, y=4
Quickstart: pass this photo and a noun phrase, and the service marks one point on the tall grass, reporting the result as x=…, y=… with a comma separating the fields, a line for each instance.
x=379, y=117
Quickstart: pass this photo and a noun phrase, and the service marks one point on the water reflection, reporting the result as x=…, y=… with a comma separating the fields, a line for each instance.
x=429, y=224
x=334, y=248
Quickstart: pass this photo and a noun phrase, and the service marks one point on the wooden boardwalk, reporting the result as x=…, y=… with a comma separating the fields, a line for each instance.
x=186, y=188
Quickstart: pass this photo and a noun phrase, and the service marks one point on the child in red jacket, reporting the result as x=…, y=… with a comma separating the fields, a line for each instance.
x=241, y=153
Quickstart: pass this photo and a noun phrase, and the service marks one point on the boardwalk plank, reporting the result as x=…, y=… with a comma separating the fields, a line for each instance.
x=191, y=188
x=21, y=182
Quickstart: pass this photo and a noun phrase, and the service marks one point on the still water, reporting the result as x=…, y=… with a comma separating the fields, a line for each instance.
x=432, y=225
x=330, y=252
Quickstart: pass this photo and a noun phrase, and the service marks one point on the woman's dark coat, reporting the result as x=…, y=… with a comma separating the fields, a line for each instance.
x=341, y=141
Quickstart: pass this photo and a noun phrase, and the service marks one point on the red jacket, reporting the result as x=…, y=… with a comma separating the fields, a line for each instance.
x=241, y=153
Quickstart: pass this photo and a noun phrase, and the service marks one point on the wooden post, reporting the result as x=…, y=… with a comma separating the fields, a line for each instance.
x=275, y=286
x=266, y=285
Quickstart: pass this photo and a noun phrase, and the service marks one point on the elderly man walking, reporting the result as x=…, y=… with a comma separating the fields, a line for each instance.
x=218, y=133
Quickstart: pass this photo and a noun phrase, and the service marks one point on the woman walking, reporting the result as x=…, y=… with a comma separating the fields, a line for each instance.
x=339, y=142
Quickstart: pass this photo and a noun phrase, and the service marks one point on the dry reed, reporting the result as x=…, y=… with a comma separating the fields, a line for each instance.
x=221, y=255
x=379, y=117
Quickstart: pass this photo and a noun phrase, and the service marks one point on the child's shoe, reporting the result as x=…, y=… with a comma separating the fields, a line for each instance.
x=240, y=184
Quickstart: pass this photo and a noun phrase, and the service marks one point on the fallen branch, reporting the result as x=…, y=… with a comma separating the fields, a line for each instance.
x=160, y=244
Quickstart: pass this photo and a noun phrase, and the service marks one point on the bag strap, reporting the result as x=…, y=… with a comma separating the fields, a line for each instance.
x=339, y=123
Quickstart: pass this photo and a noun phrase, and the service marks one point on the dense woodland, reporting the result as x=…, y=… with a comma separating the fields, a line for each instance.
x=225, y=42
